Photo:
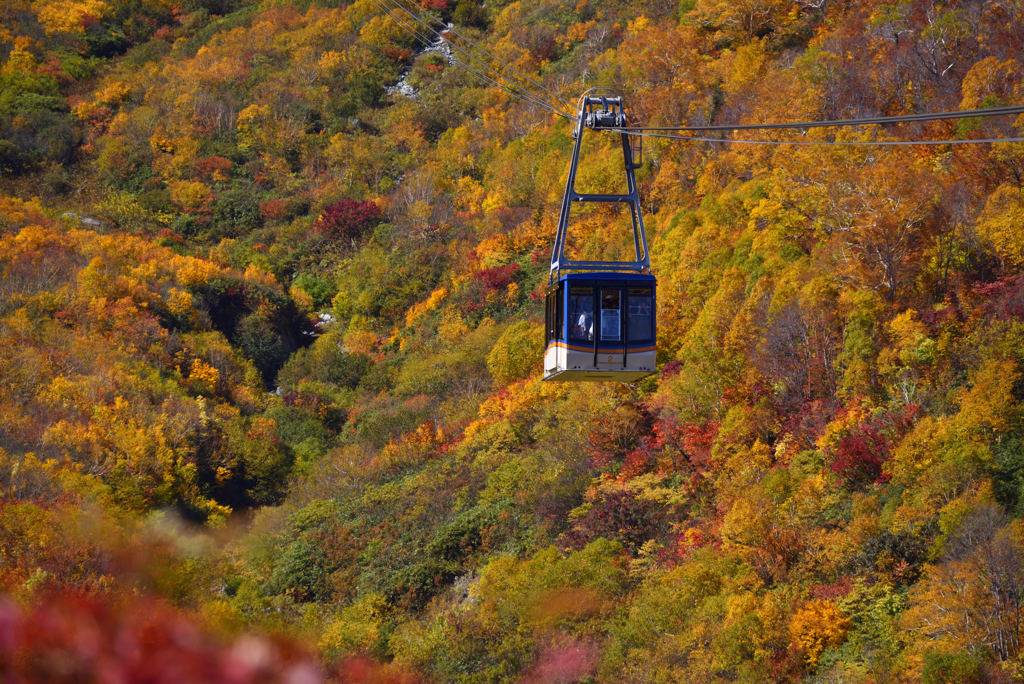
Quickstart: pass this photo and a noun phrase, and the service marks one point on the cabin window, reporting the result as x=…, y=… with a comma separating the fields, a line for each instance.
x=640, y=316
x=552, y=330
x=553, y=317
x=611, y=323
x=559, y=315
x=581, y=313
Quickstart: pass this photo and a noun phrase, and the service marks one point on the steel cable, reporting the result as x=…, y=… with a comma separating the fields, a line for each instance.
x=439, y=34
x=870, y=121
x=524, y=93
x=411, y=30
x=880, y=143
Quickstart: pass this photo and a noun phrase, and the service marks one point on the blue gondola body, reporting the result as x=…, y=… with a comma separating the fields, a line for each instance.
x=600, y=326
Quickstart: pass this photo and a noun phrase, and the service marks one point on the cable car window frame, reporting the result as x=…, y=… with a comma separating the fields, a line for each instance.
x=639, y=296
x=611, y=317
x=553, y=330
x=559, y=308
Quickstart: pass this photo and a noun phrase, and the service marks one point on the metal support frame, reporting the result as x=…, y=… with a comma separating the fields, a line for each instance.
x=597, y=111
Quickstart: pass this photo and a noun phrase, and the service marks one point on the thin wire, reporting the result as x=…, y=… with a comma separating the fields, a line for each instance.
x=888, y=143
x=965, y=114
x=506, y=65
x=511, y=93
x=643, y=130
x=411, y=30
x=526, y=94
x=452, y=30
x=546, y=106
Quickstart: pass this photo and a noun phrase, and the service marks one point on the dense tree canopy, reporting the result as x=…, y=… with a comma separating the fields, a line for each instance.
x=271, y=339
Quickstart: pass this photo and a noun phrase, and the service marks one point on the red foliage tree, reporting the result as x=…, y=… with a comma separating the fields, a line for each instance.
x=498, y=278
x=487, y=282
x=859, y=458
x=276, y=208
x=213, y=168
x=621, y=516
x=347, y=221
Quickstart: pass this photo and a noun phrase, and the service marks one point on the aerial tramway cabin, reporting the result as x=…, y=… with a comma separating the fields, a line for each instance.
x=600, y=316
x=600, y=326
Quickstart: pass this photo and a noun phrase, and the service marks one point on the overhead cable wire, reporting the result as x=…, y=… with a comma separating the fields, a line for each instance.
x=455, y=45
x=880, y=143
x=878, y=120
x=513, y=94
x=526, y=94
x=522, y=94
x=509, y=66
x=542, y=104
x=411, y=30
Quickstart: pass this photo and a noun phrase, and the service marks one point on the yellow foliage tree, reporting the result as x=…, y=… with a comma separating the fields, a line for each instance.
x=1001, y=222
x=989, y=77
x=959, y=441
x=519, y=349
x=191, y=196
x=817, y=626
x=69, y=16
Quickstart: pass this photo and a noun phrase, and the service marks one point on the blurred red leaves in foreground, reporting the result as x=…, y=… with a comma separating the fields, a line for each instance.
x=563, y=663
x=75, y=638
x=68, y=638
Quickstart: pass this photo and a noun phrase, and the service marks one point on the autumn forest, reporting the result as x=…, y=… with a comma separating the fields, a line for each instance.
x=272, y=280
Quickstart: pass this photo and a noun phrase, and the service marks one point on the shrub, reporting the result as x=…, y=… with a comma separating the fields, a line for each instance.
x=861, y=456
x=321, y=291
x=264, y=460
x=470, y=13
x=1008, y=478
x=817, y=626
x=259, y=340
x=213, y=168
x=486, y=286
x=498, y=278
x=11, y=162
x=303, y=572
x=347, y=221
x=621, y=517
x=463, y=534
x=950, y=668
x=516, y=353
x=278, y=209
x=238, y=211
x=326, y=362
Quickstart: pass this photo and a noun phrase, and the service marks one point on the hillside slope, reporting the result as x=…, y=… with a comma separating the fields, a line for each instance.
x=272, y=337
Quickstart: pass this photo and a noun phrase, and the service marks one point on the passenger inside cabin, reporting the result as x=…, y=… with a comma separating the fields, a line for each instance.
x=585, y=322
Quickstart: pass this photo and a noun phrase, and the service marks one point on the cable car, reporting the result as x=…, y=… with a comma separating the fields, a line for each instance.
x=600, y=316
